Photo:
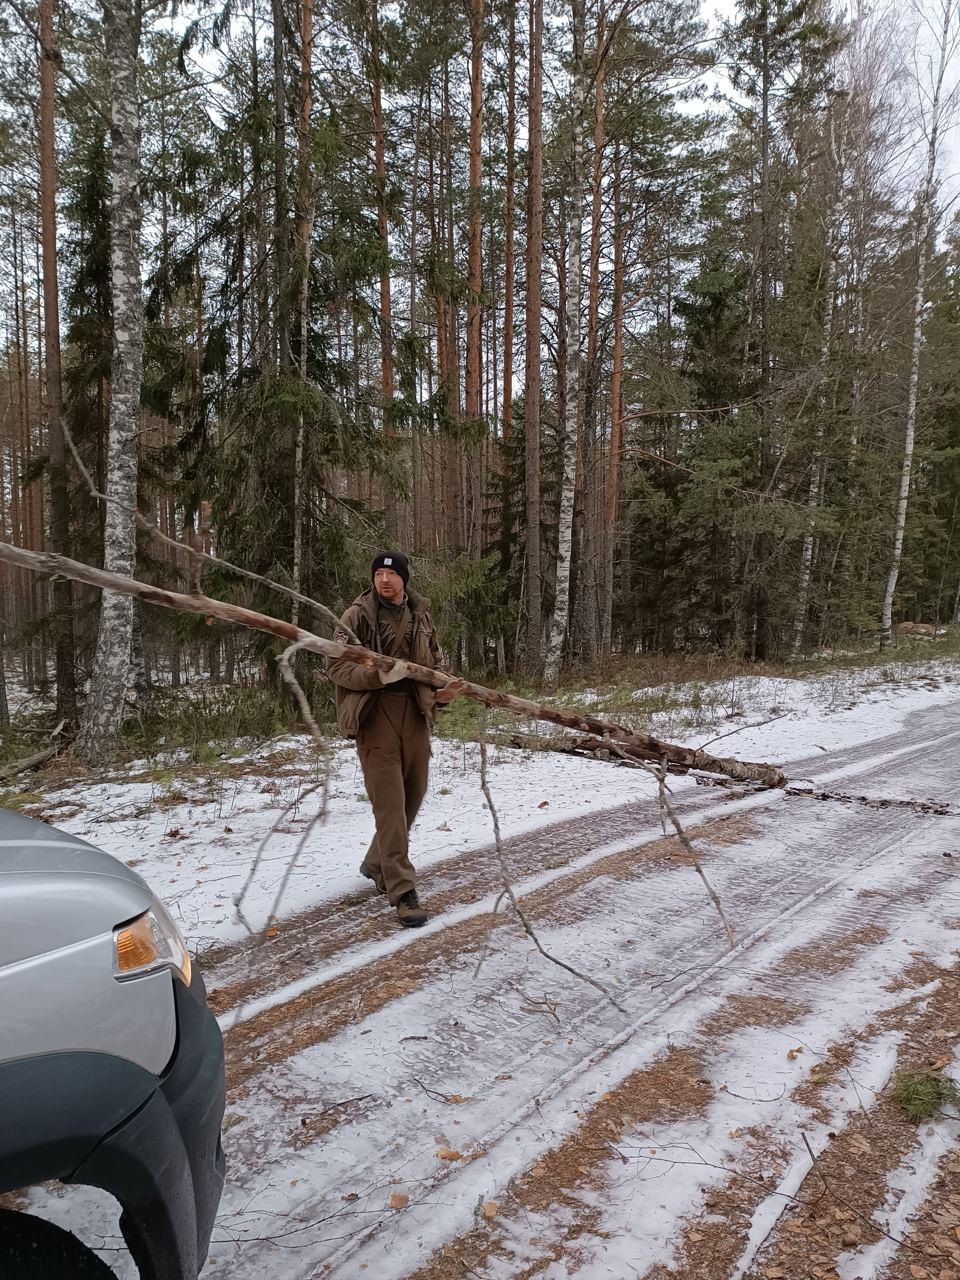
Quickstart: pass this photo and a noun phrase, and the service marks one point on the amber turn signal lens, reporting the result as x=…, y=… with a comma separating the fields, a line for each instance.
x=136, y=946
x=149, y=943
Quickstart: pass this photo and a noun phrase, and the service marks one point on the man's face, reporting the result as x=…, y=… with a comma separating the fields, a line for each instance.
x=389, y=585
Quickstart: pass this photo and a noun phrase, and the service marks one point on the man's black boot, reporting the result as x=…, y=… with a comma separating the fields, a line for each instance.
x=409, y=911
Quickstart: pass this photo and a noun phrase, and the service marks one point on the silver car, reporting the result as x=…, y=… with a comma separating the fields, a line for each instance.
x=111, y=1064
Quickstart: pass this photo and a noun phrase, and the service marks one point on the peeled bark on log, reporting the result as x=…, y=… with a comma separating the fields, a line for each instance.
x=644, y=745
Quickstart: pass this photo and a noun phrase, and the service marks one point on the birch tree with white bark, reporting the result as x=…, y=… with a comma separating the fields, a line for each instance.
x=105, y=703
x=557, y=629
x=937, y=104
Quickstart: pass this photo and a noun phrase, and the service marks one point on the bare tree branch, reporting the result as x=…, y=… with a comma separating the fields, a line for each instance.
x=318, y=819
x=667, y=811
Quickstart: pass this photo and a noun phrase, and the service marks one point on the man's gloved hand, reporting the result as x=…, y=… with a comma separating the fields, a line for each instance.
x=399, y=671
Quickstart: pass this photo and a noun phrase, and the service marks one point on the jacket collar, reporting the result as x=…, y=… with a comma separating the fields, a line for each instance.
x=367, y=601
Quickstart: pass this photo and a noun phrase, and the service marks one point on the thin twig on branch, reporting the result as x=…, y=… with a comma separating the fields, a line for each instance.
x=318, y=819
x=640, y=744
x=667, y=811
x=508, y=887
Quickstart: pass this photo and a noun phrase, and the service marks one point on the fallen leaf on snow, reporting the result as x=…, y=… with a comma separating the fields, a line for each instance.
x=794, y=1054
x=398, y=1200
x=446, y=1154
x=544, y=804
x=489, y=1209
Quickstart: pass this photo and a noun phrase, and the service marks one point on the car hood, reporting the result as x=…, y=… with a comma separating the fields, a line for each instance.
x=56, y=890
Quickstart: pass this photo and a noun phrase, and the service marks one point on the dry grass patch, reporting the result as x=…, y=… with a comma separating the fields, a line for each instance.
x=833, y=955
x=738, y=1012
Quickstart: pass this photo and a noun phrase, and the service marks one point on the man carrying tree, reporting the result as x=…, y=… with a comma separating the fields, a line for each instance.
x=391, y=716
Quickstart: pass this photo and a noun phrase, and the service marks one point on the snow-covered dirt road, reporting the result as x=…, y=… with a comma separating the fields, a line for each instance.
x=447, y=1103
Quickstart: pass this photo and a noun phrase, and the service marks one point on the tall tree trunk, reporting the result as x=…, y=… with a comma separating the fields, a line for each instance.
x=104, y=709
x=472, y=462
x=762, y=541
x=508, y=227
x=472, y=404
x=383, y=231
x=261, y=276
x=21, y=320
x=586, y=526
x=574, y=356
x=59, y=492
x=926, y=212
x=4, y=706
x=280, y=232
x=533, y=321
x=616, y=417
x=416, y=452
x=306, y=211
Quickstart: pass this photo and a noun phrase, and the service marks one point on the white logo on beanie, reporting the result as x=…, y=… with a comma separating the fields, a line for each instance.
x=387, y=560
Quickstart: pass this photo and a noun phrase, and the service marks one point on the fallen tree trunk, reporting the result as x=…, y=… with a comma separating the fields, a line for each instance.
x=590, y=748
x=31, y=762
x=627, y=738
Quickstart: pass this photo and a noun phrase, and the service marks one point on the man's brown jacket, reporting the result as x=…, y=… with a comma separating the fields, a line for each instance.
x=356, y=685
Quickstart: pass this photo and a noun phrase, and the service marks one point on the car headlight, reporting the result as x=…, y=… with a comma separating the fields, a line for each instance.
x=149, y=943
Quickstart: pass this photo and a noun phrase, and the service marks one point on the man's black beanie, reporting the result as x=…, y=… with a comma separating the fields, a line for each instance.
x=394, y=560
